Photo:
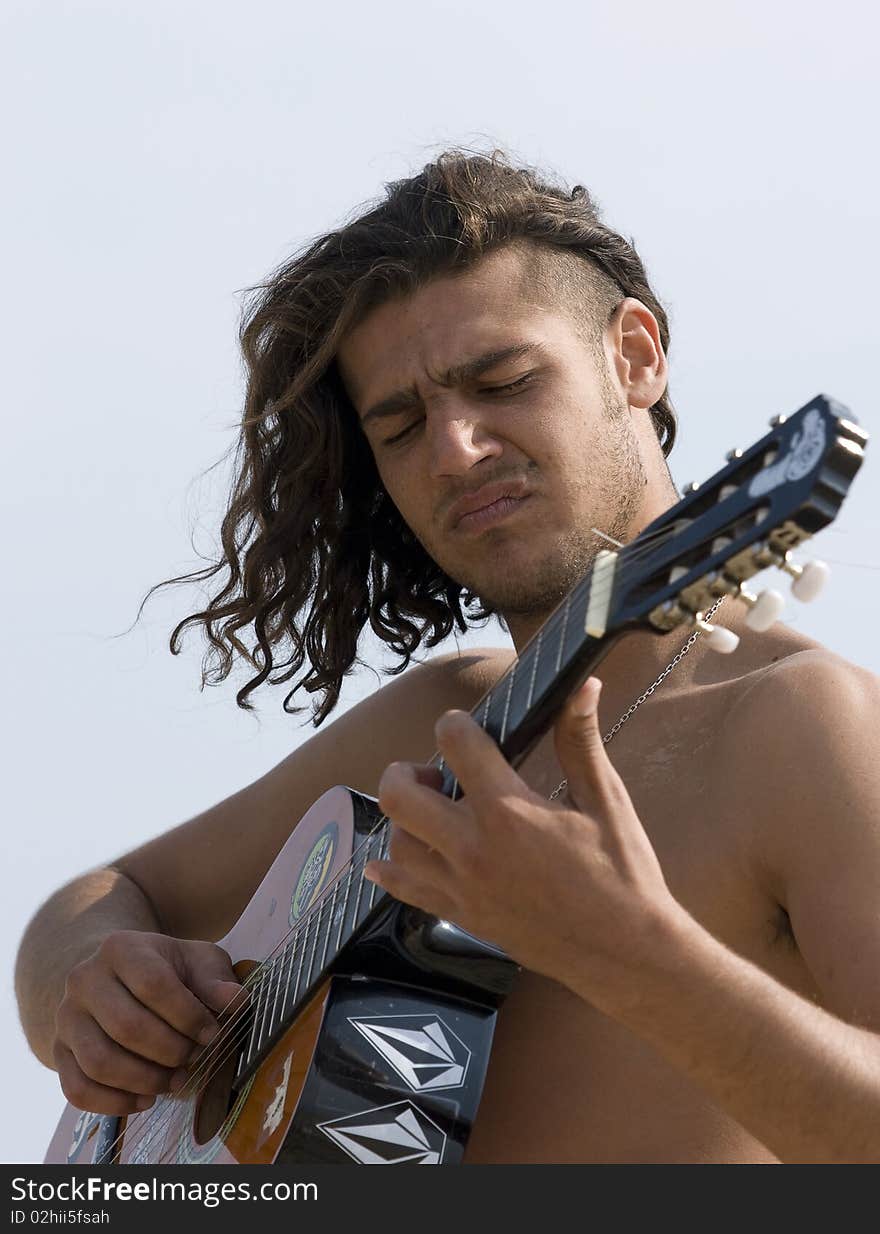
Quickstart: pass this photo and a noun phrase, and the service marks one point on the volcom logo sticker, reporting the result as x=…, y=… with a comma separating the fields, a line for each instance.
x=423, y=1050
x=388, y=1135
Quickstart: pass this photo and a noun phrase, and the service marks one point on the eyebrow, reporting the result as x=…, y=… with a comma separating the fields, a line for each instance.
x=458, y=374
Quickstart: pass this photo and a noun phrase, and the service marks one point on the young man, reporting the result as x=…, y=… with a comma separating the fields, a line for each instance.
x=445, y=398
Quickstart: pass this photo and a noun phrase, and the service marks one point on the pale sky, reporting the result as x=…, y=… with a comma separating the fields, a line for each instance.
x=161, y=157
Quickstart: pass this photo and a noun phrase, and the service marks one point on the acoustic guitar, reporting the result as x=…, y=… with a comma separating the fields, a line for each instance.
x=364, y=1028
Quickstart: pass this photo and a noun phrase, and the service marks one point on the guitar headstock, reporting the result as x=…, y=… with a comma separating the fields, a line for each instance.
x=747, y=517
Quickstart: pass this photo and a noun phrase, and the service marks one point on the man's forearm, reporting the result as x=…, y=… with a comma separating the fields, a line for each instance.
x=803, y=1082
x=67, y=929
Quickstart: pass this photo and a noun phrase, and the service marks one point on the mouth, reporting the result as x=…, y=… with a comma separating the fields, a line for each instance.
x=489, y=515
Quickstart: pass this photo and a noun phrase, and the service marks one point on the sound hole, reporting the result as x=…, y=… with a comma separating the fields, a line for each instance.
x=216, y=1098
x=214, y=1103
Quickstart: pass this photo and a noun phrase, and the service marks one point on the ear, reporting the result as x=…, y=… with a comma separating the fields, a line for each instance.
x=637, y=353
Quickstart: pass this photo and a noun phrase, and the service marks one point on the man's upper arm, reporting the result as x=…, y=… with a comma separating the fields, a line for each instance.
x=812, y=728
x=200, y=875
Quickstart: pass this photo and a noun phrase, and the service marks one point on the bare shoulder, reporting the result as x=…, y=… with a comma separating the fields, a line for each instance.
x=200, y=875
x=797, y=757
x=803, y=773
x=803, y=697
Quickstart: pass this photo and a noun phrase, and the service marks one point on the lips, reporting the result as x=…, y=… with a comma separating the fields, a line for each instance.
x=484, y=497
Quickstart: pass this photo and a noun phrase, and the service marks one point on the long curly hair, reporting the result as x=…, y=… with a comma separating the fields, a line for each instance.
x=313, y=548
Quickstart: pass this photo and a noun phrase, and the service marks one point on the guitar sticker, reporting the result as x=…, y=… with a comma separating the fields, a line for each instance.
x=275, y=1108
x=401, y=1135
x=423, y=1050
x=807, y=447
x=314, y=872
x=86, y=1126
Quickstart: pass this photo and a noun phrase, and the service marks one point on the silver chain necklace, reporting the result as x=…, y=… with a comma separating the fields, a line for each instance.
x=650, y=690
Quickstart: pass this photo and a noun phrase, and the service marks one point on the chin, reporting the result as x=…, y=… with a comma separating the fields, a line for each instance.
x=521, y=594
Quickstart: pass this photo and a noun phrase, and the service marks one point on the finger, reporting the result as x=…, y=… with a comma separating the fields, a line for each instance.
x=402, y=885
x=128, y=1022
x=473, y=756
x=428, y=775
x=208, y=972
x=110, y=1064
x=425, y=864
x=154, y=982
x=88, y=1094
x=420, y=811
x=580, y=749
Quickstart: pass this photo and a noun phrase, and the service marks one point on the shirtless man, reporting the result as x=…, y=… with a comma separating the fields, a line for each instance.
x=696, y=915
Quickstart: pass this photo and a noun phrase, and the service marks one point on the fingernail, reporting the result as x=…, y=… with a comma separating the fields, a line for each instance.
x=584, y=699
x=144, y=1103
x=207, y=1035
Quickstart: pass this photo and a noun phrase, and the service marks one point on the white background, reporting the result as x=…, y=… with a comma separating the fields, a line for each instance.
x=161, y=157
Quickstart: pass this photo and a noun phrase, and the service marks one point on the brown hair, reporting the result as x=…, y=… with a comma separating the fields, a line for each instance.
x=313, y=546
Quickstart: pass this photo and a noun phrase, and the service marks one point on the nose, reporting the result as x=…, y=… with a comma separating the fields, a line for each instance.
x=458, y=439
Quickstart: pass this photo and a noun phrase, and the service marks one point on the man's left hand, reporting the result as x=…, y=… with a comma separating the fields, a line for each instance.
x=569, y=888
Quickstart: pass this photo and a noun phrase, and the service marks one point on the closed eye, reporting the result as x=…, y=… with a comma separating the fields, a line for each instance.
x=513, y=385
x=390, y=441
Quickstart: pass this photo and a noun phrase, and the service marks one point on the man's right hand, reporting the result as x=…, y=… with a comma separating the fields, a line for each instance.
x=134, y=1014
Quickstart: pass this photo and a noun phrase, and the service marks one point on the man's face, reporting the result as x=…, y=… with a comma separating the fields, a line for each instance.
x=540, y=440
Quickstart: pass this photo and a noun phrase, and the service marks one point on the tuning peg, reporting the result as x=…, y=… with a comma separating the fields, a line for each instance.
x=732, y=454
x=764, y=608
x=777, y=420
x=808, y=580
x=717, y=637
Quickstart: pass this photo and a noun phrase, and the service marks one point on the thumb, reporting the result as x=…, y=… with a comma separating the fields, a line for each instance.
x=212, y=978
x=579, y=745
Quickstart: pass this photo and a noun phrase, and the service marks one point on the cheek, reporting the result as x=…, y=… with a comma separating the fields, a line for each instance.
x=405, y=494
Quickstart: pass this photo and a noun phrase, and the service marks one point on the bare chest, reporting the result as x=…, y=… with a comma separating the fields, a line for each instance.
x=566, y=1083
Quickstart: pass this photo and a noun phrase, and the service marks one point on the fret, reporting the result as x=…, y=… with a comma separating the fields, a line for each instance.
x=258, y=985
x=345, y=904
x=331, y=907
x=272, y=996
x=302, y=951
x=373, y=885
x=486, y=705
x=384, y=838
x=289, y=953
x=575, y=635
x=520, y=692
x=364, y=851
x=535, y=659
x=317, y=917
x=511, y=675
x=561, y=642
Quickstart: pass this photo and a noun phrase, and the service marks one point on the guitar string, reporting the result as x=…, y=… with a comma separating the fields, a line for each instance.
x=264, y=974
x=208, y=1064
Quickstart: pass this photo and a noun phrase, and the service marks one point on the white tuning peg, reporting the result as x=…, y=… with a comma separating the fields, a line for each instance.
x=808, y=580
x=764, y=608
x=717, y=637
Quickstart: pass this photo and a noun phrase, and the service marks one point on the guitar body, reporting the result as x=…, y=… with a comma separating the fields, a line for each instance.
x=383, y=1065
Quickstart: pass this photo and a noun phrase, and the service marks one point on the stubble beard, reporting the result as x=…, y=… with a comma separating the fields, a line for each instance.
x=613, y=491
